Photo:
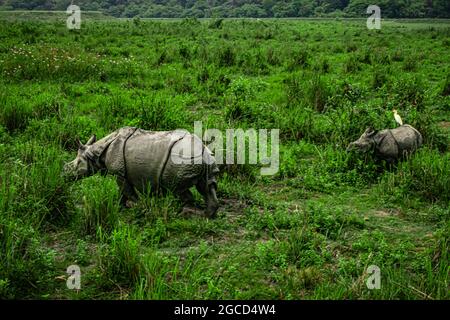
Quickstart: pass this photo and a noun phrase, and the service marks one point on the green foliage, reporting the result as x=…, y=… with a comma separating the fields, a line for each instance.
x=425, y=174
x=332, y=223
x=160, y=113
x=153, y=209
x=12, y=115
x=124, y=262
x=240, y=92
x=97, y=205
x=304, y=248
x=121, y=259
x=226, y=56
x=24, y=260
x=446, y=86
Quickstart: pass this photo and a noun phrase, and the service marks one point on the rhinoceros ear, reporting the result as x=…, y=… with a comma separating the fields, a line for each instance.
x=91, y=140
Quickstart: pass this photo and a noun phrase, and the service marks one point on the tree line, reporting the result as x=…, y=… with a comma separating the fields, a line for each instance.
x=243, y=8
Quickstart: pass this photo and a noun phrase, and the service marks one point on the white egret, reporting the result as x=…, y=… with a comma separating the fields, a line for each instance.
x=397, y=117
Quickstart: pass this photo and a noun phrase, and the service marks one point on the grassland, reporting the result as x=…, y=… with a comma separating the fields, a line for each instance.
x=308, y=232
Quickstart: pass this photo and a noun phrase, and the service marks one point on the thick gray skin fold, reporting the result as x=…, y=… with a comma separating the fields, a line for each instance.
x=389, y=144
x=143, y=159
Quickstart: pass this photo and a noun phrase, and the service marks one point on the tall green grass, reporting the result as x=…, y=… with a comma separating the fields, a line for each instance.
x=425, y=174
x=97, y=205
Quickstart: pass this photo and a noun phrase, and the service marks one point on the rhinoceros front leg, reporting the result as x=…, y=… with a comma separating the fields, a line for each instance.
x=212, y=202
x=127, y=192
x=209, y=194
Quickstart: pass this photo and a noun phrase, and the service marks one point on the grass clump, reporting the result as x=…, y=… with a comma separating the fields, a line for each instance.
x=97, y=205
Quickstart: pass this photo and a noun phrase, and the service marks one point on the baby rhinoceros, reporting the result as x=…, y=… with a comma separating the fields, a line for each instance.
x=389, y=144
x=162, y=160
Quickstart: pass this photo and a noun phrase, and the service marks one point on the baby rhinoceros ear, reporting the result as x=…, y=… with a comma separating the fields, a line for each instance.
x=369, y=132
x=92, y=140
x=79, y=144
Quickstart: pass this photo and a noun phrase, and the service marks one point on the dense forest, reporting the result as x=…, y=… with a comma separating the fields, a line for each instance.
x=243, y=8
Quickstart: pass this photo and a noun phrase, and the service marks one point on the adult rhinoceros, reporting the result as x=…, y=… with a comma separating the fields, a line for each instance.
x=164, y=160
x=388, y=144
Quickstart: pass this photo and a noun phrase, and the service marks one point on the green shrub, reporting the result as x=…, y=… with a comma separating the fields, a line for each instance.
x=424, y=174
x=35, y=187
x=158, y=113
x=27, y=265
x=330, y=223
x=96, y=201
x=299, y=59
x=379, y=78
x=226, y=56
x=14, y=114
x=352, y=65
x=409, y=91
x=121, y=259
x=410, y=64
x=446, y=86
x=303, y=248
x=318, y=93
x=238, y=95
x=151, y=207
x=312, y=90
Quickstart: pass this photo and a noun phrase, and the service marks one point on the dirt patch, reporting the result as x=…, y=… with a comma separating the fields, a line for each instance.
x=233, y=207
x=230, y=207
x=58, y=243
x=444, y=125
x=387, y=213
